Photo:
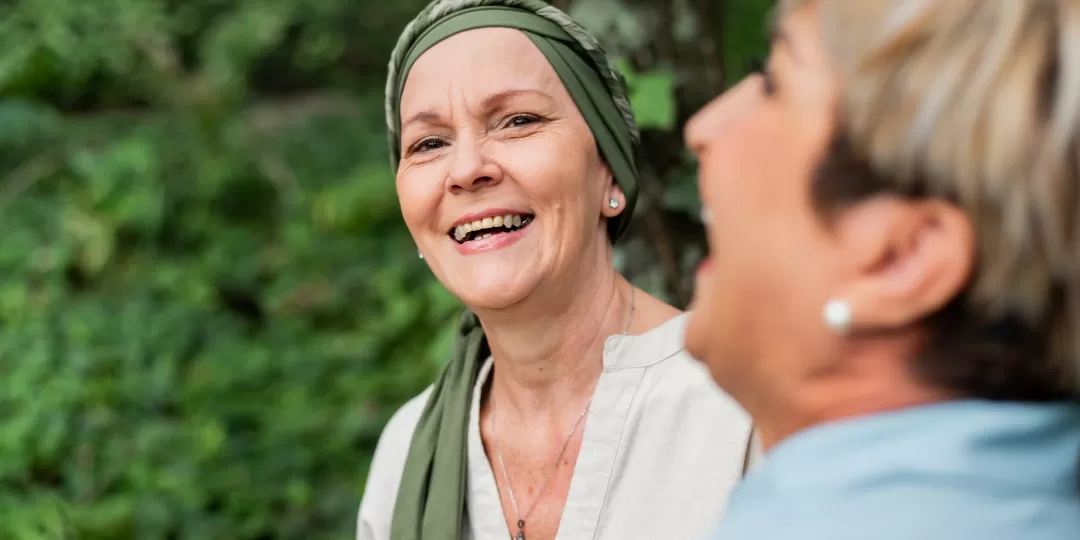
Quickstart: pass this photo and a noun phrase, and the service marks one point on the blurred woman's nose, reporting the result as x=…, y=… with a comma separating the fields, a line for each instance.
x=697, y=128
x=708, y=123
x=470, y=168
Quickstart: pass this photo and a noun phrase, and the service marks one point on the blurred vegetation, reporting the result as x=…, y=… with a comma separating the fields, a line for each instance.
x=210, y=305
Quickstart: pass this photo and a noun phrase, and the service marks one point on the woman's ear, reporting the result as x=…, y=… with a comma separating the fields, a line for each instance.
x=614, y=202
x=910, y=259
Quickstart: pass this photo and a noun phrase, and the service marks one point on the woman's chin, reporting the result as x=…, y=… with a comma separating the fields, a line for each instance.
x=492, y=295
x=491, y=302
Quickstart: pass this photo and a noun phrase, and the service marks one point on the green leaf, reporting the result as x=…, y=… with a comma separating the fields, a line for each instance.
x=652, y=95
x=653, y=99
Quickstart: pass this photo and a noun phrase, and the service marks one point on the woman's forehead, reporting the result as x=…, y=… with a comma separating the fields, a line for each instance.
x=476, y=63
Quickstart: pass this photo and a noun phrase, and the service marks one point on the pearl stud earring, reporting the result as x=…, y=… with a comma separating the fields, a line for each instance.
x=421, y=255
x=614, y=203
x=837, y=315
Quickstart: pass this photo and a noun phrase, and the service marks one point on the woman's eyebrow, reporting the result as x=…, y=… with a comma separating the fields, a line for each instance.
x=422, y=117
x=499, y=99
x=489, y=103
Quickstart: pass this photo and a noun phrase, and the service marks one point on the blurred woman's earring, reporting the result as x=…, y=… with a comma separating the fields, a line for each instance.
x=420, y=254
x=837, y=316
x=614, y=203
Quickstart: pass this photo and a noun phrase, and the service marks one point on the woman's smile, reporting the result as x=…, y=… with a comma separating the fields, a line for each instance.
x=490, y=233
x=489, y=230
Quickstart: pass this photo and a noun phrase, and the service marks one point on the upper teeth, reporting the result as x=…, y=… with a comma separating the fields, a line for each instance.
x=509, y=220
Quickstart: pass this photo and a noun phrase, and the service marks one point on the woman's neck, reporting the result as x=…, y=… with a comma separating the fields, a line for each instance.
x=549, y=353
x=876, y=379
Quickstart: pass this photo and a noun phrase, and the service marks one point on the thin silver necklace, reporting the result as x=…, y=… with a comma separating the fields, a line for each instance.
x=558, y=457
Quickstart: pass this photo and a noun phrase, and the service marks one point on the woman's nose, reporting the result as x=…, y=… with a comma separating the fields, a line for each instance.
x=694, y=133
x=708, y=123
x=471, y=169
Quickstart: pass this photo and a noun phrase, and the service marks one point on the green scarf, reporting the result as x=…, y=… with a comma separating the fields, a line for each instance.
x=431, y=497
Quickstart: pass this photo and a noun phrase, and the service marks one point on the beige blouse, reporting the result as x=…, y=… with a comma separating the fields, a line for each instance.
x=663, y=447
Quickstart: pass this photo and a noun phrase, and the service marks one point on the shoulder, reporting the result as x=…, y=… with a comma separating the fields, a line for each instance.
x=678, y=401
x=930, y=513
x=387, y=465
x=683, y=440
x=677, y=396
x=673, y=379
x=682, y=387
x=399, y=430
x=677, y=391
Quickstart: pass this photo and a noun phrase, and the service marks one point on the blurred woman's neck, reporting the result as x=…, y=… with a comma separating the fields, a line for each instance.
x=875, y=378
x=548, y=349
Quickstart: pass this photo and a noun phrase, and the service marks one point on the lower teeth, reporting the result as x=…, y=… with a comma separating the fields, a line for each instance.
x=483, y=236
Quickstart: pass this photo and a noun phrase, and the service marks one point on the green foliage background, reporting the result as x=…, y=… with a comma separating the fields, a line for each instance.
x=210, y=305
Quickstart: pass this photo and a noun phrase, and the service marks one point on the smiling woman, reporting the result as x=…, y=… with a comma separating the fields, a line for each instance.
x=505, y=140
x=570, y=409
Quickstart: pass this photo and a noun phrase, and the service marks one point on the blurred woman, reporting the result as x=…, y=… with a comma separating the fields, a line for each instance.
x=570, y=409
x=896, y=297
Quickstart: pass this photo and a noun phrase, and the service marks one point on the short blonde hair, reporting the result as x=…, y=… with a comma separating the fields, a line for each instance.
x=977, y=102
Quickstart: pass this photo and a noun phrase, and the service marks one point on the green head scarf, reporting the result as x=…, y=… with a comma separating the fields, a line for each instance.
x=431, y=497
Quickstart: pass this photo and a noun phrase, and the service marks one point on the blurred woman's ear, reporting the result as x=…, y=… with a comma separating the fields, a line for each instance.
x=909, y=259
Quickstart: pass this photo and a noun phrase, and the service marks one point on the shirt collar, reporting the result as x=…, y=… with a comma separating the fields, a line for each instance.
x=622, y=351
x=1033, y=446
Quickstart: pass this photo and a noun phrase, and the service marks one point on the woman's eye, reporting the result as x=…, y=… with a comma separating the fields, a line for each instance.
x=758, y=66
x=427, y=145
x=521, y=120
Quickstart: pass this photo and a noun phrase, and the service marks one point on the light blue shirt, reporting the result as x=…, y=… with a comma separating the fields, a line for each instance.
x=961, y=470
